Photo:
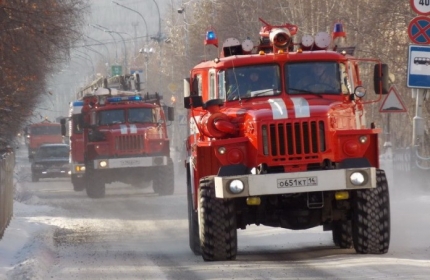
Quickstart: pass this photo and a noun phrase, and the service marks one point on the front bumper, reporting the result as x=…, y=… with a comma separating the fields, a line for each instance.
x=295, y=182
x=130, y=162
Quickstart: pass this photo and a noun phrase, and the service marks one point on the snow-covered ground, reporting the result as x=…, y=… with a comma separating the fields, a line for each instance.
x=24, y=237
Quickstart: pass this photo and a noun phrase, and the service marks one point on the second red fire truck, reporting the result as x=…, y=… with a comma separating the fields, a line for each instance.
x=121, y=136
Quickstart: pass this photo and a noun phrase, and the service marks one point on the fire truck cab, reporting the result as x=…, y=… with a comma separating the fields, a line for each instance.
x=278, y=137
x=44, y=132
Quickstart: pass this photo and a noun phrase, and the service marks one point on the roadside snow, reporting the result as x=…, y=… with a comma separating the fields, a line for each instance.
x=23, y=248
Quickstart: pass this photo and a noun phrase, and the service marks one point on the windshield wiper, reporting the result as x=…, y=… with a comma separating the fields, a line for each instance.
x=305, y=91
x=262, y=92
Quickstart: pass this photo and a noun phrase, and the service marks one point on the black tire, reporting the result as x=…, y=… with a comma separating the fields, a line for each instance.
x=193, y=222
x=163, y=182
x=78, y=183
x=371, y=218
x=94, y=184
x=217, y=224
x=342, y=234
x=34, y=178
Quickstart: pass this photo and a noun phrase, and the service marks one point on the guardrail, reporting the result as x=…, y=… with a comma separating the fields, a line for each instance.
x=7, y=165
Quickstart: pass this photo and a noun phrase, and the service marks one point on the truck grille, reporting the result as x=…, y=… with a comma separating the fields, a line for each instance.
x=129, y=143
x=294, y=139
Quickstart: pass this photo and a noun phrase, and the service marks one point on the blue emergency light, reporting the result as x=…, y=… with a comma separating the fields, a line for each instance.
x=210, y=35
x=124, y=98
x=78, y=103
x=338, y=31
x=211, y=38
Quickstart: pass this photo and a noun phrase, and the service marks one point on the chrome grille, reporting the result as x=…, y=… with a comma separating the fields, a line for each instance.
x=299, y=138
x=128, y=143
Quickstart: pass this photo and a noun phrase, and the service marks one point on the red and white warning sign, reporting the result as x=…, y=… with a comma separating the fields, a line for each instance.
x=392, y=103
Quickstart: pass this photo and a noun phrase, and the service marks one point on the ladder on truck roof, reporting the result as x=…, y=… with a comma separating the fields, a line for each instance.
x=113, y=92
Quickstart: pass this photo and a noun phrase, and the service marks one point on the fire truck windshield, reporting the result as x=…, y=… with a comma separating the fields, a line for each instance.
x=313, y=77
x=250, y=81
x=140, y=115
x=46, y=130
x=109, y=117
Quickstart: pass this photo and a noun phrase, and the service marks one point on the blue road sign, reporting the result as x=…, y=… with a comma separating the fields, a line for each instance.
x=419, y=66
x=419, y=30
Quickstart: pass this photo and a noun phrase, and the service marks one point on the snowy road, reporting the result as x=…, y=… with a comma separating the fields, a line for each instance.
x=134, y=234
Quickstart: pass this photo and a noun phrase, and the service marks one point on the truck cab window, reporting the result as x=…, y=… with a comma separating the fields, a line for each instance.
x=140, y=115
x=252, y=81
x=111, y=117
x=313, y=77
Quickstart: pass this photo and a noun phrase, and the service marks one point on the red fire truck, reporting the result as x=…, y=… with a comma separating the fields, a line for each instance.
x=289, y=148
x=76, y=132
x=125, y=140
x=45, y=132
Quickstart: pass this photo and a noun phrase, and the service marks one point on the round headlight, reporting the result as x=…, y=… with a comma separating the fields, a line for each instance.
x=363, y=139
x=221, y=150
x=357, y=178
x=103, y=163
x=236, y=186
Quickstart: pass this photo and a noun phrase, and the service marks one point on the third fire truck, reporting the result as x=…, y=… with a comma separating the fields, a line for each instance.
x=275, y=141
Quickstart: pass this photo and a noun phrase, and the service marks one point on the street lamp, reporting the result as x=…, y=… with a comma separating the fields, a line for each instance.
x=122, y=38
x=183, y=12
x=125, y=7
x=113, y=37
x=101, y=43
x=159, y=22
x=146, y=52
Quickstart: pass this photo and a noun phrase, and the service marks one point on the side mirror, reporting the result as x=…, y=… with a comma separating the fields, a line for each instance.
x=193, y=101
x=63, y=126
x=170, y=113
x=380, y=78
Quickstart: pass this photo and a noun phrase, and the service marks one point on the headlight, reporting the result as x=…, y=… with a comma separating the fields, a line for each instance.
x=79, y=168
x=357, y=178
x=236, y=186
x=103, y=163
x=363, y=139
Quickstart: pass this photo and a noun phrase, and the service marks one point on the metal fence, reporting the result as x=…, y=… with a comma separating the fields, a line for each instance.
x=7, y=165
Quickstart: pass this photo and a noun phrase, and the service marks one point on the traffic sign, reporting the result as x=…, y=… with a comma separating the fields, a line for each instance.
x=392, y=103
x=421, y=7
x=140, y=70
x=173, y=87
x=116, y=70
x=419, y=30
x=419, y=67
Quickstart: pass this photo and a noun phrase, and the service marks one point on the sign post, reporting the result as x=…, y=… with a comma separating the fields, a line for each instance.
x=391, y=104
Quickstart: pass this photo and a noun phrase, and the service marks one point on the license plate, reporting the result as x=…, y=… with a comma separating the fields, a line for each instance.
x=298, y=182
x=130, y=162
x=54, y=170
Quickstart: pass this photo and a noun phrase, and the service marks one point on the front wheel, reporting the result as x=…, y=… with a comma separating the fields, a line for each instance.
x=34, y=178
x=217, y=224
x=193, y=222
x=78, y=183
x=371, y=218
x=163, y=182
x=94, y=184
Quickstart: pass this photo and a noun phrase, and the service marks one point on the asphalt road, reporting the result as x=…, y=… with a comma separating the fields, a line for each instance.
x=135, y=234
